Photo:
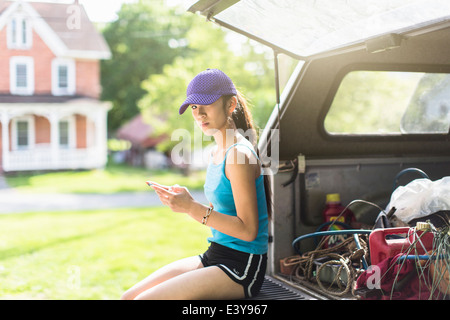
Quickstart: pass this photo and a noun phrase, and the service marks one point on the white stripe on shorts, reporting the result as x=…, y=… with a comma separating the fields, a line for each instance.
x=256, y=275
x=249, y=262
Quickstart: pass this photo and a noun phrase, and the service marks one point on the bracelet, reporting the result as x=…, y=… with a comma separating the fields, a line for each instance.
x=208, y=213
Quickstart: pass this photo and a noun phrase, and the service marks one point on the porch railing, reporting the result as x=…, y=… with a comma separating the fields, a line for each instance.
x=49, y=159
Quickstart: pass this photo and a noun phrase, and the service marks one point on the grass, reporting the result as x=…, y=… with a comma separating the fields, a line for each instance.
x=84, y=255
x=96, y=254
x=114, y=178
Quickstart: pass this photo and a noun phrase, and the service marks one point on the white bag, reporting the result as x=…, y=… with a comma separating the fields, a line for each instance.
x=420, y=198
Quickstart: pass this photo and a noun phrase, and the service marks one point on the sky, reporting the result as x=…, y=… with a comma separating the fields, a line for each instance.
x=102, y=10
x=105, y=10
x=97, y=10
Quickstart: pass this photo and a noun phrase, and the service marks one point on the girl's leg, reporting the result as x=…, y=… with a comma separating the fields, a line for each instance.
x=199, y=284
x=167, y=272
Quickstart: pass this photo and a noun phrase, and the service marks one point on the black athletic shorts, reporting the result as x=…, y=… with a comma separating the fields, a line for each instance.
x=244, y=268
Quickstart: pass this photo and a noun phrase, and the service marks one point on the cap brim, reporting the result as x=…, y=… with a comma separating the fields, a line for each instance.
x=197, y=98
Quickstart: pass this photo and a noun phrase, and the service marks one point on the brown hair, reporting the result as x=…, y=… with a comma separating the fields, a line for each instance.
x=243, y=120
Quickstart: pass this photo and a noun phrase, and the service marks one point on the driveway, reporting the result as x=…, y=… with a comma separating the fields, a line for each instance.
x=12, y=201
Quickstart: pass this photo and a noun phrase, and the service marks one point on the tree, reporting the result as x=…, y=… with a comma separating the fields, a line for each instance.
x=250, y=71
x=145, y=37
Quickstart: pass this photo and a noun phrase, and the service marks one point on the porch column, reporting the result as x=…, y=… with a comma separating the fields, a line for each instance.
x=100, y=137
x=5, y=141
x=54, y=139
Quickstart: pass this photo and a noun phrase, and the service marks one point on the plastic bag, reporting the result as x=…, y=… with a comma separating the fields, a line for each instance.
x=420, y=198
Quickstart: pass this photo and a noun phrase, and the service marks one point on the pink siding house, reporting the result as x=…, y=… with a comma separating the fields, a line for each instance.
x=51, y=117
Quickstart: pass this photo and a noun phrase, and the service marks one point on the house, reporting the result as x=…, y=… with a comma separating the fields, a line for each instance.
x=51, y=117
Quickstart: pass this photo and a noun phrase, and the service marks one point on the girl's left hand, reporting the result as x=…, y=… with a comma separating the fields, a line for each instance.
x=177, y=198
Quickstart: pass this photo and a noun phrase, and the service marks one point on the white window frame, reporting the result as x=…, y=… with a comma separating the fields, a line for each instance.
x=71, y=131
x=31, y=133
x=71, y=76
x=29, y=62
x=21, y=21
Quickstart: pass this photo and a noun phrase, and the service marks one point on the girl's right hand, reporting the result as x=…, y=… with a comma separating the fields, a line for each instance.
x=177, y=198
x=152, y=183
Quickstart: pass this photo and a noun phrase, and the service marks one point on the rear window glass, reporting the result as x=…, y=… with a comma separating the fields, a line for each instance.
x=390, y=102
x=307, y=27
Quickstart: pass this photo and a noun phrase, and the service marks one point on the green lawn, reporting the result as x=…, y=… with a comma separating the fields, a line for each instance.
x=90, y=254
x=114, y=178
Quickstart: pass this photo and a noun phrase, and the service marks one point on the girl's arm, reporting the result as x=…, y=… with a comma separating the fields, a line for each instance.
x=242, y=176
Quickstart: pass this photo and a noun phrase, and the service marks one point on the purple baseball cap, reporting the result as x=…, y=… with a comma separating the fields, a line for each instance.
x=207, y=87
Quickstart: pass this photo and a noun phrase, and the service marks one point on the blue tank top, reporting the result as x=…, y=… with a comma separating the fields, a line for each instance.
x=218, y=192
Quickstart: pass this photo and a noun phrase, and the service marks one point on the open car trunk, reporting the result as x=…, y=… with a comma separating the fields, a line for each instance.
x=370, y=98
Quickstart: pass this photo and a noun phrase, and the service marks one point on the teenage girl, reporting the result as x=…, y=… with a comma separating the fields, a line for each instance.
x=234, y=265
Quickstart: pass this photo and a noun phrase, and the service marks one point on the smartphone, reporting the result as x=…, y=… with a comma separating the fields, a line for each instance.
x=151, y=183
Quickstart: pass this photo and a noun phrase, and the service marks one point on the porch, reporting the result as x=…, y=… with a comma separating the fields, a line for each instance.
x=43, y=157
x=53, y=136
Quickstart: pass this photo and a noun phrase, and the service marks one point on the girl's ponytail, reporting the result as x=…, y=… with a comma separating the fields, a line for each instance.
x=243, y=120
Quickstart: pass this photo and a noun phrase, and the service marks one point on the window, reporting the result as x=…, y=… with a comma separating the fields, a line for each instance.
x=63, y=77
x=22, y=133
x=21, y=75
x=19, y=35
x=64, y=134
x=67, y=133
x=388, y=102
x=308, y=27
x=13, y=31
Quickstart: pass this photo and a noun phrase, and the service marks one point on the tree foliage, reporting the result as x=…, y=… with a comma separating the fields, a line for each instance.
x=140, y=43
x=250, y=71
x=158, y=49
